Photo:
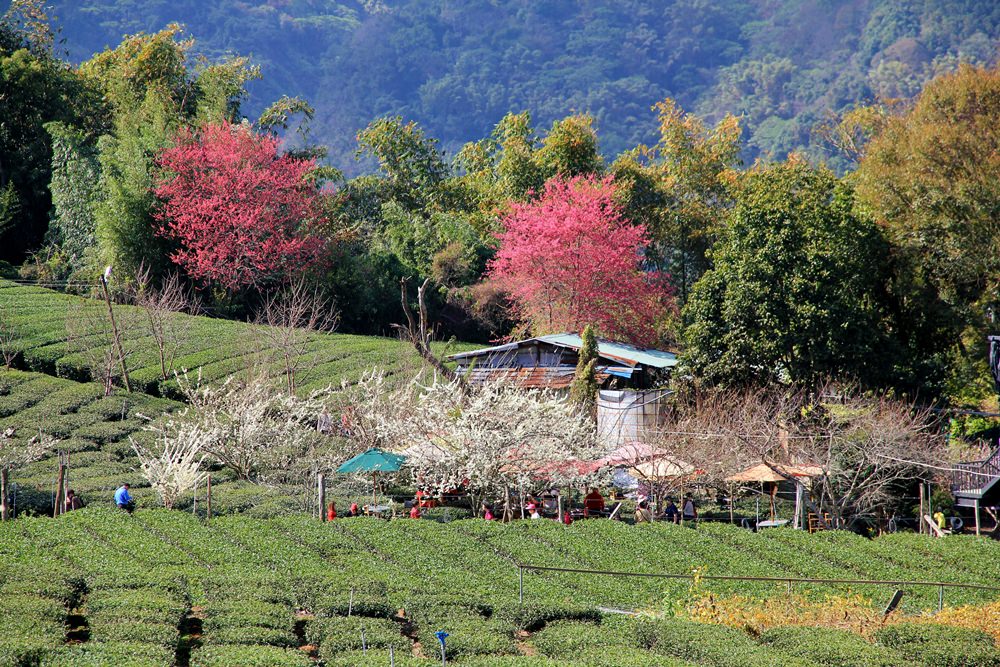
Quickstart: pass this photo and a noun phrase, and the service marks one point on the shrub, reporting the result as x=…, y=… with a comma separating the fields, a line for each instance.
x=378, y=657
x=940, y=645
x=712, y=644
x=162, y=634
x=341, y=634
x=533, y=616
x=110, y=655
x=22, y=651
x=363, y=605
x=249, y=635
x=249, y=656
x=238, y=613
x=564, y=639
x=827, y=646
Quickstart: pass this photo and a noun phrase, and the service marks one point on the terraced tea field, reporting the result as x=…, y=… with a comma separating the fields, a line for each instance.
x=162, y=588
x=218, y=348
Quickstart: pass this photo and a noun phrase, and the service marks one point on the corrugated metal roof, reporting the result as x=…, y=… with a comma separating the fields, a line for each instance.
x=608, y=349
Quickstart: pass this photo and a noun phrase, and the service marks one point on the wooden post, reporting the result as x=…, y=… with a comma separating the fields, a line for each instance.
x=3, y=495
x=559, y=500
x=321, y=495
x=922, y=506
x=799, y=489
x=208, y=499
x=731, y=499
x=60, y=493
x=977, y=517
x=118, y=338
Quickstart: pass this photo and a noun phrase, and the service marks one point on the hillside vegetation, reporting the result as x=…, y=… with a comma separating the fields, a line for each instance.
x=458, y=68
x=214, y=348
x=259, y=589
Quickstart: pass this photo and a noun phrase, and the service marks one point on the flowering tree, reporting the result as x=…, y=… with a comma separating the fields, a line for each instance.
x=569, y=259
x=239, y=211
x=257, y=429
x=174, y=466
x=494, y=437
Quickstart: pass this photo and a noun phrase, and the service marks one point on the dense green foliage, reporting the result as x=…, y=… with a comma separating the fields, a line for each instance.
x=263, y=587
x=213, y=348
x=462, y=114
x=796, y=289
x=457, y=69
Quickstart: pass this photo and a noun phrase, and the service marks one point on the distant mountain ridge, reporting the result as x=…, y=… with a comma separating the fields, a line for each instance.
x=457, y=67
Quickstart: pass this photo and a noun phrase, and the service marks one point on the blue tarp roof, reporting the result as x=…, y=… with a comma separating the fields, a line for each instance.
x=608, y=349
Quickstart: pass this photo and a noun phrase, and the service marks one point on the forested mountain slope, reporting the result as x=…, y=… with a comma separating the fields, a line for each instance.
x=458, y=67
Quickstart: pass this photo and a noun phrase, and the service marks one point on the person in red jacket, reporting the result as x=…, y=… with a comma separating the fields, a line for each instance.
x=415, y=512
x=593, y=503
x=331, y=512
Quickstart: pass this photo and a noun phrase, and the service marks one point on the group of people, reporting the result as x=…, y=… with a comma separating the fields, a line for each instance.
x=688, y=511
x=331, y=511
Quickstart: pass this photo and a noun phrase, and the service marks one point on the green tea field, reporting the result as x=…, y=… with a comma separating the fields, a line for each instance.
x=101, y=587
x=216, y=348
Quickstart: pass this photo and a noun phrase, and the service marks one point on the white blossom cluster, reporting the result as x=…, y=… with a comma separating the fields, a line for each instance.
x=494, y=437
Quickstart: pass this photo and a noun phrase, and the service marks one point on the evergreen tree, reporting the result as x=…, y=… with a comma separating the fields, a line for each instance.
x=584, y=387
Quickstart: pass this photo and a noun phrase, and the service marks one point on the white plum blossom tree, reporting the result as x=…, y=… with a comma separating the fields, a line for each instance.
x=174, y=465
x=256, y=428
x=494, y=437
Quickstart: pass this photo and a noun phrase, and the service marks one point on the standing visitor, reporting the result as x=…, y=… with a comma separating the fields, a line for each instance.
x=123, y=500
x=642, y=512
x=690, y=511
x=671, y=513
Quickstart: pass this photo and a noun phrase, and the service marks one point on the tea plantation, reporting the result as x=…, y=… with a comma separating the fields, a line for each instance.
x=162, y=588
x=215, y=347
x=262, y=584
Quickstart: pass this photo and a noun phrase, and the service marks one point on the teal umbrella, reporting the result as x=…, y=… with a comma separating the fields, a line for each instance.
x=373, y=461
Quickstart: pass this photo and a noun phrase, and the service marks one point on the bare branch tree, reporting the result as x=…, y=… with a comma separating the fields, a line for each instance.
x=496, y=436
x=418, y=332
x=10, y=334
x=89, y=334
x=257, y=429
x=865, y=449
x=869, y=449
x=160, y=306
x=16, y=453
x=288, y=322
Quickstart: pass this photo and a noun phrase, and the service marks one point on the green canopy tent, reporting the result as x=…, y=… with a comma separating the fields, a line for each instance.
x=373, y=461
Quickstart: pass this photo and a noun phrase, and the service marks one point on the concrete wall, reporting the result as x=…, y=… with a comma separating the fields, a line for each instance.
x=629, y=416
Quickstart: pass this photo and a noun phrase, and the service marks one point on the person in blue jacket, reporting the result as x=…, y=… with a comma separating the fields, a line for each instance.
x=123, y=500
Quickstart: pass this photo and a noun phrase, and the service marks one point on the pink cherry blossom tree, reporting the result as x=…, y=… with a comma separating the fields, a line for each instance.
x=570, y=258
